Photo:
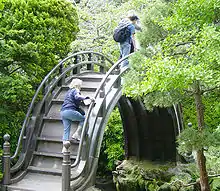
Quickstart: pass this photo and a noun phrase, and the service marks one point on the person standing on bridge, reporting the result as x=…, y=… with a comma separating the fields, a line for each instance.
x=71, y=111
x=128, y=44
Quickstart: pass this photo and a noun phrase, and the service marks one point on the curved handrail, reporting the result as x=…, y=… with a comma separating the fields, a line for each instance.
x=93, y=158
x=21, y=162
x=30, y=109
x=110, y=71
x=100, y=87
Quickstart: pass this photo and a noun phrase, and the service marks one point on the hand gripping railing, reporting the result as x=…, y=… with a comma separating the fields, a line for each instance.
x=89, y=112
x=60, y=66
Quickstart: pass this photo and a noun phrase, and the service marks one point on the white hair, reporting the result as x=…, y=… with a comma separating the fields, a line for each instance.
x=76, y=83
x=131, y=13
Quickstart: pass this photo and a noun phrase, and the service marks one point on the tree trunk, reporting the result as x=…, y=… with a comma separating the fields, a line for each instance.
x=201, y=160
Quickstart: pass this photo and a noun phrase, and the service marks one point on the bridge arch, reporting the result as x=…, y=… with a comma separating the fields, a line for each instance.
x=137, y=122
x=148, y=135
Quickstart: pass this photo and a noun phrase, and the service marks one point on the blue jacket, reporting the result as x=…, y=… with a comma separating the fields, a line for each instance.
x=72, y=100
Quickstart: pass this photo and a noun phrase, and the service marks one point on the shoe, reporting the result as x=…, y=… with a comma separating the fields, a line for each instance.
x=76, y=136
x=74, y=141
x=64, y=142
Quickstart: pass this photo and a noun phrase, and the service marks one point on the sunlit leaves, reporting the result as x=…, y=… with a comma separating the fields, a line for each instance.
x=193, y=140
x=188, y=51
x=190, y=14
x=97, y=22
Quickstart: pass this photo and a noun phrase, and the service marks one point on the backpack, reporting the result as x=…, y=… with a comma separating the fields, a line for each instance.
x=121, y=34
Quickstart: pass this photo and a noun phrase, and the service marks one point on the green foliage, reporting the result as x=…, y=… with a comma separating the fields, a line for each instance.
x=213, y=160
x=113, y=144
x=192, y=139
x=212, y=111
x=213, y=165
x=215, y=186
x=34, y=36
x=16, y=93
x=190, y=14
x=97, y=22
x=169, y=64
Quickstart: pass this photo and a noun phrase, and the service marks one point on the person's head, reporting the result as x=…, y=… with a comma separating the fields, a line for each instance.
x=76, y=83
x=133, y=18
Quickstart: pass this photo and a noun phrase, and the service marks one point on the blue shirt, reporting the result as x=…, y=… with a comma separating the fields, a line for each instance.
x=72, y=100
x=131, y=28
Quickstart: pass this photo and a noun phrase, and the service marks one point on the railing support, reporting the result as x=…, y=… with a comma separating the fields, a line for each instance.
x=77, y=69
x=6, y=160
x=117, y=84
x=103, y=107
x=62, y=80
x=90, y=66
x=66, y=167
x=102, y=69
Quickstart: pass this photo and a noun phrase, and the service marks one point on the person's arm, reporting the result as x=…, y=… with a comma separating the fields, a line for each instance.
x=134, y=42
x=133, y=37
x=138, y=27
x=78, y=96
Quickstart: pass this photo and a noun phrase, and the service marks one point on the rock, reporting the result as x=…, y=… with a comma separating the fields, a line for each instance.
x=133, y=175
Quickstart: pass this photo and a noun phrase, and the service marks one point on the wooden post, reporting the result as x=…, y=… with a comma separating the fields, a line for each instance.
x=6, y=160
x=76, y=61
x=102, y=69
x=62, y=80
x=90, y=66
x=103, y=107
x=66, y=167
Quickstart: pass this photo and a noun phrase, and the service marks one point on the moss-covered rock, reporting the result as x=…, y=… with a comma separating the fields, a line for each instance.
x=132, y=175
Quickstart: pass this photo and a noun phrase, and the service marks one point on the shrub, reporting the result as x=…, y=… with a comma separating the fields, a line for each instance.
x=113, y=144
x=34, y=36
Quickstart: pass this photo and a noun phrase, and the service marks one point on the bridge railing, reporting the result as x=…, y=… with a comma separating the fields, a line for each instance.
x=72, y=65
x=102, y=93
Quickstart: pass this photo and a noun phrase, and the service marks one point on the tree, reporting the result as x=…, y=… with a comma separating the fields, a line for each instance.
x=34, y=36
x=179, y=58
x=97, y=22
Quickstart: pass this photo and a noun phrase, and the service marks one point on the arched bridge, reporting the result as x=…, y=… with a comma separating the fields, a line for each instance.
x=41, y=165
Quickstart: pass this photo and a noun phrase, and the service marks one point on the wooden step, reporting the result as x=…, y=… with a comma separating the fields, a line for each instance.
x=54, y=145
x=54, y=155
x=49, y=161
x=38, y=182
x=53, y=128
x=51, y=171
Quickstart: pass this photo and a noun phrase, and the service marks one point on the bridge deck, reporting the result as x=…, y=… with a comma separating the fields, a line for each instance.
x=36, y=181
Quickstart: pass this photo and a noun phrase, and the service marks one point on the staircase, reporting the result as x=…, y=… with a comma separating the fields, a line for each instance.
x=39, y=166
x=45, y=168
